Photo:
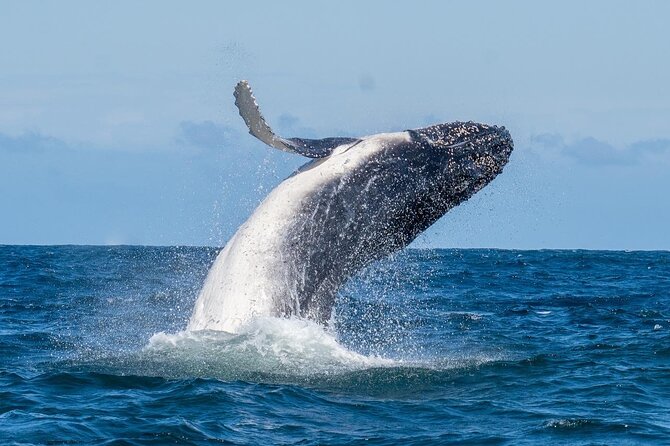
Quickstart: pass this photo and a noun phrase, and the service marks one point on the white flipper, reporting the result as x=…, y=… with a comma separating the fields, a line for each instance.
x=249, y=111
x=246, y=104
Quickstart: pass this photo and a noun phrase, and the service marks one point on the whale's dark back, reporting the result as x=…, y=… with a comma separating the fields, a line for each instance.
x=384, y=204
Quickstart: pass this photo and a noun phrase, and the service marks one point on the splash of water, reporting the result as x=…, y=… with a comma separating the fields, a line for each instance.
x=266, y=347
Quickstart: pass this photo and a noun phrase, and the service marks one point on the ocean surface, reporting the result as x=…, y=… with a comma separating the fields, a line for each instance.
x=429, y=347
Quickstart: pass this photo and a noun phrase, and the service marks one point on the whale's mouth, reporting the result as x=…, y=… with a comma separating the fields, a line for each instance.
x=475, y=150
x=496, y=144
x=484, y=155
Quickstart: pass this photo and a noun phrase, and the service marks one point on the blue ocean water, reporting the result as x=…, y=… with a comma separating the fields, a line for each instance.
x=430, y=347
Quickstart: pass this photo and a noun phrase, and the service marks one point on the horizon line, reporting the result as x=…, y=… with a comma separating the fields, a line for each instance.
x=63, y=245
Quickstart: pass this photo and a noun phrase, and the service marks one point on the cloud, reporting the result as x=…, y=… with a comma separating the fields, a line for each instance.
x=594, y=152
x=547, y=139
x=289, y=126
x=205, y=134
x=652, y=146
x=31, y=142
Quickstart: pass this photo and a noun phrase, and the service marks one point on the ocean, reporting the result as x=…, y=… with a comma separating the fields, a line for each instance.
x=474, y=346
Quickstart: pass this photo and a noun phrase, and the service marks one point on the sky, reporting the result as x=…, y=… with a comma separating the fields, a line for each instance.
x=117, y=122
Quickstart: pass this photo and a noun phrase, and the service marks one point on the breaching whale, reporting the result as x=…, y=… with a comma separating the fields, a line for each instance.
x=358, y=201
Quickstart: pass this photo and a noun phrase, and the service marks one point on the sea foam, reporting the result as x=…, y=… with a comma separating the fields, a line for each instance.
x=266, y=346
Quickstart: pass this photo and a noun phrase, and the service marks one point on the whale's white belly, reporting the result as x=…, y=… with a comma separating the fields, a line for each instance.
x=246, y=276
x=254, y=275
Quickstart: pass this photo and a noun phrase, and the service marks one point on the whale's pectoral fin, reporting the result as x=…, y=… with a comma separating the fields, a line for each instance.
x=246, y=104
x=249, y=111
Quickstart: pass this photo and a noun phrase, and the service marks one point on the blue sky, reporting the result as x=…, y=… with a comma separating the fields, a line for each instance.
x=117, y=122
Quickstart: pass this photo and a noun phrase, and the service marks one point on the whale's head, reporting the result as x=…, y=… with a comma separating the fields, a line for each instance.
x=464, y=156
x=420, y=174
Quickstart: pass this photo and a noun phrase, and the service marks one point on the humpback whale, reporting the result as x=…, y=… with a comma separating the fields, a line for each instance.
x=358, y=200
